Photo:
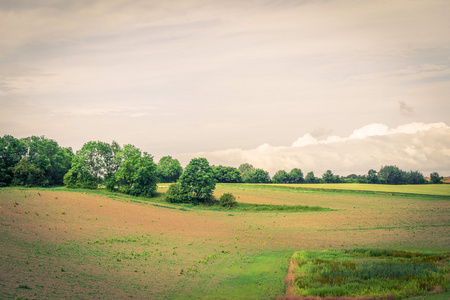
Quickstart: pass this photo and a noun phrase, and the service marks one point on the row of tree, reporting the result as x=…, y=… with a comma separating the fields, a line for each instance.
x=33, y=161
x=38, y=161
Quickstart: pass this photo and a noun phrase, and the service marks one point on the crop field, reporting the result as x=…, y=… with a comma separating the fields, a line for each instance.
x=74, y=244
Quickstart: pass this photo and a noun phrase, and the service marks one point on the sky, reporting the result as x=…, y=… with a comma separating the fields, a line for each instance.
x=344, y=85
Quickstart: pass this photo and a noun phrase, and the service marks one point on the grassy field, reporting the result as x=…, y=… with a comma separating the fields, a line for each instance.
x=80, y=244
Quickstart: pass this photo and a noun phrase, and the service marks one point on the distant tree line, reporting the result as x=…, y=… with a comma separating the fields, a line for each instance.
x=39, y=161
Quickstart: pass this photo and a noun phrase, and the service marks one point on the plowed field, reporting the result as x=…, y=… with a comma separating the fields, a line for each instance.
x=63, y=244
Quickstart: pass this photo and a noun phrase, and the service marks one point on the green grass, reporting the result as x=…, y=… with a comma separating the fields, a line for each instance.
x=417, y=189
x=370, y=272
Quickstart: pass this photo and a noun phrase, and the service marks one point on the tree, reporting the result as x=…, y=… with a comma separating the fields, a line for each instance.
x=144, y=180
x=392, y=175
x=296, y=176
x=258, y=176
x=245, y=170
x=372, y=176
x=281, y=177
x=435, y=178
x=328, y=177
x=78, y=177
x=27, y=174
x=415, y=177
x=168, y=169
x=198, y=180
x=226, y=174
x=11, y=152
x=45, y=155
x=310, y=178
x=98, y=159
x=125, y=176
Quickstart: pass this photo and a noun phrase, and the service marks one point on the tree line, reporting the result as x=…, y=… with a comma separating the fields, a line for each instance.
x=39, y=161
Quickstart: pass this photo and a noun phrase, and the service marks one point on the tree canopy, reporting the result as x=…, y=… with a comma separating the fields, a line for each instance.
x=168, y=169
x=198, y=180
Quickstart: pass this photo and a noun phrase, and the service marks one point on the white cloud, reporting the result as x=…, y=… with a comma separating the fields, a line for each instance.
x=413, y=146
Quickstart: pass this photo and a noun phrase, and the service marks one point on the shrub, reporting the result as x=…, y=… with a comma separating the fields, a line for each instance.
x=228, y=200
x=176, y=194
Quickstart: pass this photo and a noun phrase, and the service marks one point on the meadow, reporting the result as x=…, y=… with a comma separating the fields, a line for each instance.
x=64, y=244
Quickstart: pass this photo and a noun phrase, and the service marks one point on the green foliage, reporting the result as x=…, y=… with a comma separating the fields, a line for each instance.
x=98, y=159
x=310, y=178
x=176, y=194
x=328, y=177
x=435, y=178
x=78, y=177
x=11, y=152
x=27, y=174
x=144, y=180
x=126, y=169
x=372, y=176
x=34, y=161
x=296, y=176
x=394, y=175
x=415, y=177
x=258, y=176
x=228, y=200
x=168, y=169
x=281, y=177
x=368, y=272
x=198, y=180
x=226, y=174
x=245, y=170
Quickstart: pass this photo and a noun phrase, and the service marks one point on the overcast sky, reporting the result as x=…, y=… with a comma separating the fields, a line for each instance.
x=342, y=85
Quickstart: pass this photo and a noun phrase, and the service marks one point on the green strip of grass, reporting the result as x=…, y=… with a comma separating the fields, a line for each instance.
x=437, y=190
x=370, y=273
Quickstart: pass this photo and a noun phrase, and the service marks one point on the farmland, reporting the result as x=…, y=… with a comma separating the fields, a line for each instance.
x=61, y=243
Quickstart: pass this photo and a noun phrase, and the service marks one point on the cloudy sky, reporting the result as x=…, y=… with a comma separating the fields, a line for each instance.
x=346, y=85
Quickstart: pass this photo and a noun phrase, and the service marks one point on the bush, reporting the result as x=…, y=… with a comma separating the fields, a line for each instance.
x=228, y=200
x=176, y=194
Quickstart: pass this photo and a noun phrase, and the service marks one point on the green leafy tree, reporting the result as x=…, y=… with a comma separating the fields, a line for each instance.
x=136, y=174
x=129, y=159
x=328, y=177
x=12, y=150
x=296, y=176
x=392, y=175
x=310, y=178
x=227, y=174
x=281, y=177
x=168, y=169
x=372, y=176
x=97, y=159
x=415, y=177
x=245, y=170
x=27, y=174
x=435, y=178
x=258, y=176
x=52, y=160
x=145, y=179
x=198, y=180
x=78, y=177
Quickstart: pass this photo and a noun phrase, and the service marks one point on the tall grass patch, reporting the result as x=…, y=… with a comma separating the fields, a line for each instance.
x=370, y=273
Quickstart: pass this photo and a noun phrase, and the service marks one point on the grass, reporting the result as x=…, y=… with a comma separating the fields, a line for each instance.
x=417, y=189
x=370, y=273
